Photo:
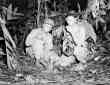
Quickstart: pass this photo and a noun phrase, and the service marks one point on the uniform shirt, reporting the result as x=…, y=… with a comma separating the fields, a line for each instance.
x=40, y=42
x=81, y=31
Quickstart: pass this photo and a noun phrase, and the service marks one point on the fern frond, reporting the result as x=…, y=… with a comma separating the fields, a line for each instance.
x=10, y=47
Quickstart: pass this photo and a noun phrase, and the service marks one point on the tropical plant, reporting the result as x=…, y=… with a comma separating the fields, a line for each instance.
x=98, y=10
x=11, y=14
x=8, y=14
x=10, y=45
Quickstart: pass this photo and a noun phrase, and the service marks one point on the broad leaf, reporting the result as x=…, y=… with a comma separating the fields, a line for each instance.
x=10, y=46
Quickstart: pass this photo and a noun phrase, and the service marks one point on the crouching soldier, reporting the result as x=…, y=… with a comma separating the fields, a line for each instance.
x=41, y=43
x=84, y=37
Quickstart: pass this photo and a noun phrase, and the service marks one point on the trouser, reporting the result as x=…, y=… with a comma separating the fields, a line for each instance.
x=84, y=52
x=81, y=53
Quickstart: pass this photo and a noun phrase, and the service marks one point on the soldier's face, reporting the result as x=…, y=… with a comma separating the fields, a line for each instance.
x=47, y=27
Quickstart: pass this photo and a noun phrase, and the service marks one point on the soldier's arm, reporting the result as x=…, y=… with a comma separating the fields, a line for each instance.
x=31, y=37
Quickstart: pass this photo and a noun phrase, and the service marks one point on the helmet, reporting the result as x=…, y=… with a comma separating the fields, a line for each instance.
x=49, y=22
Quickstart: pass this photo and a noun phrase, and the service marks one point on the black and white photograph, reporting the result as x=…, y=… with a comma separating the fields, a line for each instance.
x=54, y=42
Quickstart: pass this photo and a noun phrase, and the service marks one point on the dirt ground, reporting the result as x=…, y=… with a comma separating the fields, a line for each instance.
x=96, y=73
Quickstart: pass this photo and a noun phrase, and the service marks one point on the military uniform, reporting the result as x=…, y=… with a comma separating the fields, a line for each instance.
x=41, y=43
x=81, y=31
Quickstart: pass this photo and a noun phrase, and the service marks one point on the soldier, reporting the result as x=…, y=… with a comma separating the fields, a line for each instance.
x=40, y=43
x=81, y=31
